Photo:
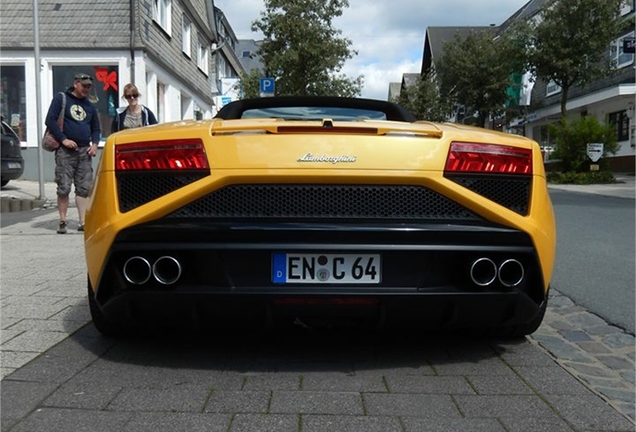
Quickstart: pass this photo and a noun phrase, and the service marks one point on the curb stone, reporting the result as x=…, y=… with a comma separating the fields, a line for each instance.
x=10, y=204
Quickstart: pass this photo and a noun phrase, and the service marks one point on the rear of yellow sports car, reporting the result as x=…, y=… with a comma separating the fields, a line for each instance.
x=234, y=222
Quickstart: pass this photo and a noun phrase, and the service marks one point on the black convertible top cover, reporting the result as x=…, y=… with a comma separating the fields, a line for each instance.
x=393, y=112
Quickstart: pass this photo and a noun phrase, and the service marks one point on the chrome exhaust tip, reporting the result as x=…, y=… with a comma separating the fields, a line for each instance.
x=137, y=270
x=166, y=270
x=483, y=272
x=511, y=273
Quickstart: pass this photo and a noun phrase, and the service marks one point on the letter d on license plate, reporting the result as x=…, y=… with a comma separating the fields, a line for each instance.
x=326, y=268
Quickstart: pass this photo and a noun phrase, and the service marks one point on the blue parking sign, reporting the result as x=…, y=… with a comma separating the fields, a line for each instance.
x=267, y=86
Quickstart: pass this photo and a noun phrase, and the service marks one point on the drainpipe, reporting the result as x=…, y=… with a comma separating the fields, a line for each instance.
x=133, y=24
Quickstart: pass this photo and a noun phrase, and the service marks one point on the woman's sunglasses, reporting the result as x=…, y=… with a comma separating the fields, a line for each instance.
x=131, y=96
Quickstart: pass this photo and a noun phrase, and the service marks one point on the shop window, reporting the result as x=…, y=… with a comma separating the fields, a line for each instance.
x=620, y=123
x=13, y=98
x=104, y=92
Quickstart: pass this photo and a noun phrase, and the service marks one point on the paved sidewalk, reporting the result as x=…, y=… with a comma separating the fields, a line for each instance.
x=575, y=373
x=625, y=187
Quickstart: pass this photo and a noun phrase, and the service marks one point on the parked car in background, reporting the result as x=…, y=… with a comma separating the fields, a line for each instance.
x=11, y=153
x=319, y=211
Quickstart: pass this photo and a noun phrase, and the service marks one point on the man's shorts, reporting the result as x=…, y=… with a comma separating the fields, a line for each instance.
x=73, y=167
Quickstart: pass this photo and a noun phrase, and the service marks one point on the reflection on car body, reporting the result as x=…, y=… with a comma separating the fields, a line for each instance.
x=389, y=222
x=11, y=155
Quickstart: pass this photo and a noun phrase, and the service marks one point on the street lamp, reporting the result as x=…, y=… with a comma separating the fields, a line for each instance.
x=38, y=96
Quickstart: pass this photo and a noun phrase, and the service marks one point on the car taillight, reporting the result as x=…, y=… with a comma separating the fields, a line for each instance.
x=161, y=155
x=488, y=158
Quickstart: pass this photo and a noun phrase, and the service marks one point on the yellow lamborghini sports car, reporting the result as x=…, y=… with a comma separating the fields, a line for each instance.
x=319, y=211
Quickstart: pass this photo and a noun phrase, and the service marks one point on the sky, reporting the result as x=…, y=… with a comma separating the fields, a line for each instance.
x=387, y=34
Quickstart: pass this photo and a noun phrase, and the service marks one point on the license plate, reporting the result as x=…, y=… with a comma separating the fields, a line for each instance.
x=326, y=268
x=14, y=165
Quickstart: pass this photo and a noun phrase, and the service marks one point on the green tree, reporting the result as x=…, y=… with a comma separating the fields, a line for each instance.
x=569, y=44
x=571, y=139
x=249, y=84
x=302, y=49
x=476, y=71
x=424, y=100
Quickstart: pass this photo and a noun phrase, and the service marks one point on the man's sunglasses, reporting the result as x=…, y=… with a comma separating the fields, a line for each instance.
x=87, y=86
x=131, y=96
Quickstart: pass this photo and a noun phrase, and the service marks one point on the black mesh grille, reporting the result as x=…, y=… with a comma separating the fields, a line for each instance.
x=513, y=193
x=136, y=189
x=326, y=202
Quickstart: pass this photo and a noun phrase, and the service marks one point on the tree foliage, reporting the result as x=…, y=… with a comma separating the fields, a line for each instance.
x=475, y=71
x=250, y=83
x=569, y=43
x=571, y=139
x=424, y=100
x=302, y=50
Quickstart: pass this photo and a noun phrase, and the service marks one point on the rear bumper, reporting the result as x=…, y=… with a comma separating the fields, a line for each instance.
x=226, y=275
x=421, y=310
x=12, y=169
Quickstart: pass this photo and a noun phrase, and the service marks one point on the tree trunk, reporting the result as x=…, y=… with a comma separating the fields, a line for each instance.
x=564, y=101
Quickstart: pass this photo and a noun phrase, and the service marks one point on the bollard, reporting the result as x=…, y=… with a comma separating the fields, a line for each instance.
x=26, y=204
x=14, y=205
x=6, y=206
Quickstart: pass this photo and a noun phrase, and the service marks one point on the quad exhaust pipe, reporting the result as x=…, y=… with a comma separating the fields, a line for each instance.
x=137, y=270
x=166, y=270
x=484, y=272
x=510, y=273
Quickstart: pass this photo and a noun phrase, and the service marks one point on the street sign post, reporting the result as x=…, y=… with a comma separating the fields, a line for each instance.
x=595, y=151
x=267, y=87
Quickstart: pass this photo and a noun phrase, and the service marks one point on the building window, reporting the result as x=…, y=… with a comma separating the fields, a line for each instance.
x=13, y=97
x=627, y=7
x=104, y=92
x=246, y=54
x=617, y=56
x=202, y=57
x=552, y=88
x=620, y=123
x=162, y=14
x=545, y=140
x=186, y=35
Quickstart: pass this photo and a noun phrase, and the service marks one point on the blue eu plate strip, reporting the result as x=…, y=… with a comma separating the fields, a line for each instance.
x=279, y=268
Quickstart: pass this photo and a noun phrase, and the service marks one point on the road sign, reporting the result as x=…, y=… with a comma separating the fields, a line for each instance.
x=267, y=87
x=595, y=151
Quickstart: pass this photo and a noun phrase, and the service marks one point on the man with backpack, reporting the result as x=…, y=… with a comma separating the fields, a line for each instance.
x=78, y=137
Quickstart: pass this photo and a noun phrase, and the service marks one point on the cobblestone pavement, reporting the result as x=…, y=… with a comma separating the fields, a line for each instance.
x=600, y=355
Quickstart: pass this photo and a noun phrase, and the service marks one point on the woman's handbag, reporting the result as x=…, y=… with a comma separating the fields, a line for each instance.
x=49, y=143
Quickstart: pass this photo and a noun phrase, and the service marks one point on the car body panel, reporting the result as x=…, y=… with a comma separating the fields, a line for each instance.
x=273, y=152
